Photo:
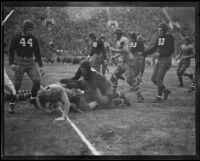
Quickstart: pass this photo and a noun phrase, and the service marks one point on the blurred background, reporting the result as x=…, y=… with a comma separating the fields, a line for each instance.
x=63, y=31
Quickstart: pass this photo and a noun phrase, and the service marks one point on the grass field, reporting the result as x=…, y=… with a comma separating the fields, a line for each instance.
x=141, y=129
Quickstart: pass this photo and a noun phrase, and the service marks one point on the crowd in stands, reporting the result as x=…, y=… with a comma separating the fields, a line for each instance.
x=71, y=35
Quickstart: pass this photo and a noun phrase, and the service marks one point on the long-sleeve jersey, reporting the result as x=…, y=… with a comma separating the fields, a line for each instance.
x=137, y=46
x=164, y=44
x=187, y=51
x=123, y=44
x=95, y=80
x=98, y=48
x=24, y=46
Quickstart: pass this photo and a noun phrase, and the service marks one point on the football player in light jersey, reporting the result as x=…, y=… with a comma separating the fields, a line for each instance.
x=186, y=53
x=125, y=66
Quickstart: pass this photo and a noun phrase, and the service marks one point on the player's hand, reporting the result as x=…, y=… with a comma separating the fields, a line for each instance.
x=13, y=67
x=156, y=55
x=42, y=71
x=105, y=61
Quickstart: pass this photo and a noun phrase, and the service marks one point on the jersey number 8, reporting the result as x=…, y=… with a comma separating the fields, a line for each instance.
x=29, y=42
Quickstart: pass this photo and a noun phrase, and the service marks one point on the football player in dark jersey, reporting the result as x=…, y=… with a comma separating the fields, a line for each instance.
x=22, y=49
x=96, y=87
x=98, y=53
x=107, y=50
x=137, y=47
x=165, y=45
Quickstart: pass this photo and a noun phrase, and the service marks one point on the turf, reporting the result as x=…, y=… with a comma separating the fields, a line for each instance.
x=141, y=129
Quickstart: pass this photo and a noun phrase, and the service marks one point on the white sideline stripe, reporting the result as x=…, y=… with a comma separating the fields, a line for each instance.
x=7, y=17
x=84, y=139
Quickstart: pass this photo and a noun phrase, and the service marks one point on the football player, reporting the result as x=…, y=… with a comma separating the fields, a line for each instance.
x=96, y=87
x=125, y=66
x=186, y=53
x=165, y=45
x=97, y=53
x=107, y=50
x=137, y=47
x=22, y=48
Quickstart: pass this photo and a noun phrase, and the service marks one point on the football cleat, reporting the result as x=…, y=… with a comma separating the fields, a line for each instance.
x=34, y=102
x=157, y=100
x=11, y=109
x=166, y=94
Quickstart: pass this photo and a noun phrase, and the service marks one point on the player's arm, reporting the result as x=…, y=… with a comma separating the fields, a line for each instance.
x=152, y=49
x=123, y=49
x=180, y=54
x=37, y=53
x=77, y=75
x=91, y=52
x=103, y=50
x=12, y=51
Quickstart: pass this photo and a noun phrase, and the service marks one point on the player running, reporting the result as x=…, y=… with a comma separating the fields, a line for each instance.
x=125, y=66
x=165, y=45
x=186, y=53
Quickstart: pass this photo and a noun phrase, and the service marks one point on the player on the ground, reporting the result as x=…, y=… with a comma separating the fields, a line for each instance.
x=165, y=45
x=125, y=66
x=186, y=53
x=22, y=48
x=96, y=87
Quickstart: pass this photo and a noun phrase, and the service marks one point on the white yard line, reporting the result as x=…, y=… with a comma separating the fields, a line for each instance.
x=82, y=136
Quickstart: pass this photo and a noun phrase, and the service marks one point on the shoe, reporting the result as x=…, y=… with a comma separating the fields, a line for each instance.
x=11, y=109
x=123, y=96
x=166, y=94
x=157, y=100
x=140, y=98
x=34, y=102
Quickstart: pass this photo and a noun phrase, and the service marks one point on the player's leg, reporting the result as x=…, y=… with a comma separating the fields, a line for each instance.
x=187, y=65
x=117, y=75
x=18, y=76
x=154, y=74
x=163, y=68
x=34, y=74
x=115, y=96
x=180, y=70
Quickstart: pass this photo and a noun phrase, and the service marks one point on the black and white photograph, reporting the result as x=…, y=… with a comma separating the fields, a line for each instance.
x=100, y=79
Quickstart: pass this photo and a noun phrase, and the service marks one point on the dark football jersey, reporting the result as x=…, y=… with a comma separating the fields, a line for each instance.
x=98, y=48
x=164, y=44
x=24, y=46
x=136, y=46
